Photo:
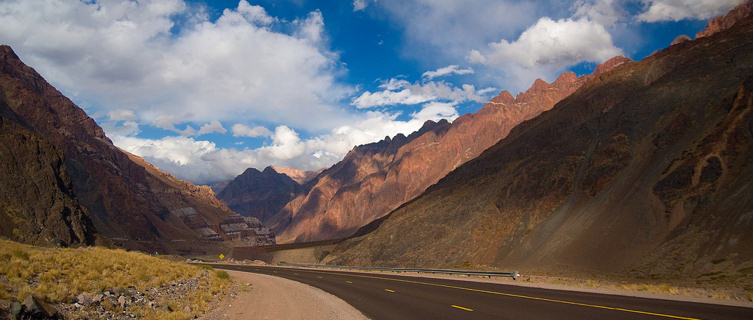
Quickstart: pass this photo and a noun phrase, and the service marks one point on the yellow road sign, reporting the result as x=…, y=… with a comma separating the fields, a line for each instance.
x=222, y=256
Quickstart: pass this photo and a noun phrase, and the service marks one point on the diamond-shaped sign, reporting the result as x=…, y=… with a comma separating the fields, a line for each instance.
x=222, y=256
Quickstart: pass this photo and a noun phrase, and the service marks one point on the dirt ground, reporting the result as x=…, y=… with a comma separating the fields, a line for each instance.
x=257, y=296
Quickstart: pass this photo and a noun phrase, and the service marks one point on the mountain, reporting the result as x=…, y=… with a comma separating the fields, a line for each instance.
x=376, y=178
x=259, y=194
x=299, y=176
x=645, y=169
x=78, y=171
x=37, y=204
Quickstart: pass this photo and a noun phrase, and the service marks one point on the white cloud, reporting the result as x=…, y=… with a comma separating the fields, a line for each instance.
x=387, y=97
x=126, y=128
x=547, y=48
x=203, y=162
x=451, y=69
x=359, y=5
x=122, y=114
x=604, y=12
x=399, y=91
x=240, y=130
x=213, y=126
x=113, y=55
x=675, y=10
x=443, y=31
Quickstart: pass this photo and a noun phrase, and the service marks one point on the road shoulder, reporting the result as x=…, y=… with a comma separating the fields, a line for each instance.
x=258, y=296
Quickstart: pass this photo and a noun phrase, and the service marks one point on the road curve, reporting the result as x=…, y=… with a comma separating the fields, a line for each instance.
x=380, y=296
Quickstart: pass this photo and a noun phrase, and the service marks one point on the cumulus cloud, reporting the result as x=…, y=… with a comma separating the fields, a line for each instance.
x=400, y=91
x=448, y=29
x=547, y=48
x=211, y=127
x=676, y=10
x=122, y=114
x=359, y=5
x=245, y=66
x=604, y=12
x=451, y=69
x=203, y=161
x=241, y=130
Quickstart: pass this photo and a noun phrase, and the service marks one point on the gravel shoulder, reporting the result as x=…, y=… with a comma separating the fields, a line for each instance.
x=258, y=296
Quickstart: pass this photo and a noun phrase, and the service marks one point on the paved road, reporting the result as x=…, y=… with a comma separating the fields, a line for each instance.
x=381, y=296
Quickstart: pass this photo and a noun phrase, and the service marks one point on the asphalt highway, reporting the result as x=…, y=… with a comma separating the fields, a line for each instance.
x=384, y=296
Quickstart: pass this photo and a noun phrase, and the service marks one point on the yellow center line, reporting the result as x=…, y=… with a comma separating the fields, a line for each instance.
x=388, y=290
x=348, y=281
x=514, y=295
x=461, y=308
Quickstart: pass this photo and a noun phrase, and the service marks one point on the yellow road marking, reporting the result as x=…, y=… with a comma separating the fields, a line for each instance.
x=461, y=308
x=348, y=281
x=516, y=296
x=388, y=290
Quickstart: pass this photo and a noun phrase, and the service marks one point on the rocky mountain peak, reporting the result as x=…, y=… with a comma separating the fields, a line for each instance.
x=717, y=24
x=504, y=97
x=300, y=176
x=610, y=64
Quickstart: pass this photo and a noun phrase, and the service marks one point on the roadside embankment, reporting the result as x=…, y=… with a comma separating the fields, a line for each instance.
x=99, y=283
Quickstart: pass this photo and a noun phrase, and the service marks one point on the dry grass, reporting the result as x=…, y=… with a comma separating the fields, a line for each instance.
x=650, y=287
x=59, y=274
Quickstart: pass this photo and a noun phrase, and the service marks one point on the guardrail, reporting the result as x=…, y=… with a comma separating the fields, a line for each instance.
x=514, y=275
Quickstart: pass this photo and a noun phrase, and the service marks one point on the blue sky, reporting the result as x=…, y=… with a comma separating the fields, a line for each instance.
x=206, y=89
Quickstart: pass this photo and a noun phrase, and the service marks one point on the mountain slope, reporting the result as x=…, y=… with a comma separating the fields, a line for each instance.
x=376, y=178
x=37, y=204
x=645, y=169
x=129, y=201
x=259, y=194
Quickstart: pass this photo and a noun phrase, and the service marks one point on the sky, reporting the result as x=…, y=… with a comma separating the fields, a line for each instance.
x=206, y=89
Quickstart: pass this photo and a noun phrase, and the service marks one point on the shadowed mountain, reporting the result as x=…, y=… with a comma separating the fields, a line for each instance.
x=37, y=204
x=129, y=201
x=644, y=169
x=376, y=178
x=259, y=194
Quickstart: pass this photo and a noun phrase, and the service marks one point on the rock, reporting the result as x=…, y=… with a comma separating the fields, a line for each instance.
x=187, y=309
x=680, y=39
x=38, y=309
x=15, y=308
x=84, y=299
x=122, y=301
x=97, y=297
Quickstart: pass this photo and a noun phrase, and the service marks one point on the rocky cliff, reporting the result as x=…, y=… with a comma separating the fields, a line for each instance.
x=645, y=169
x=129, y=201
x=376, y=178
x=37, y=203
